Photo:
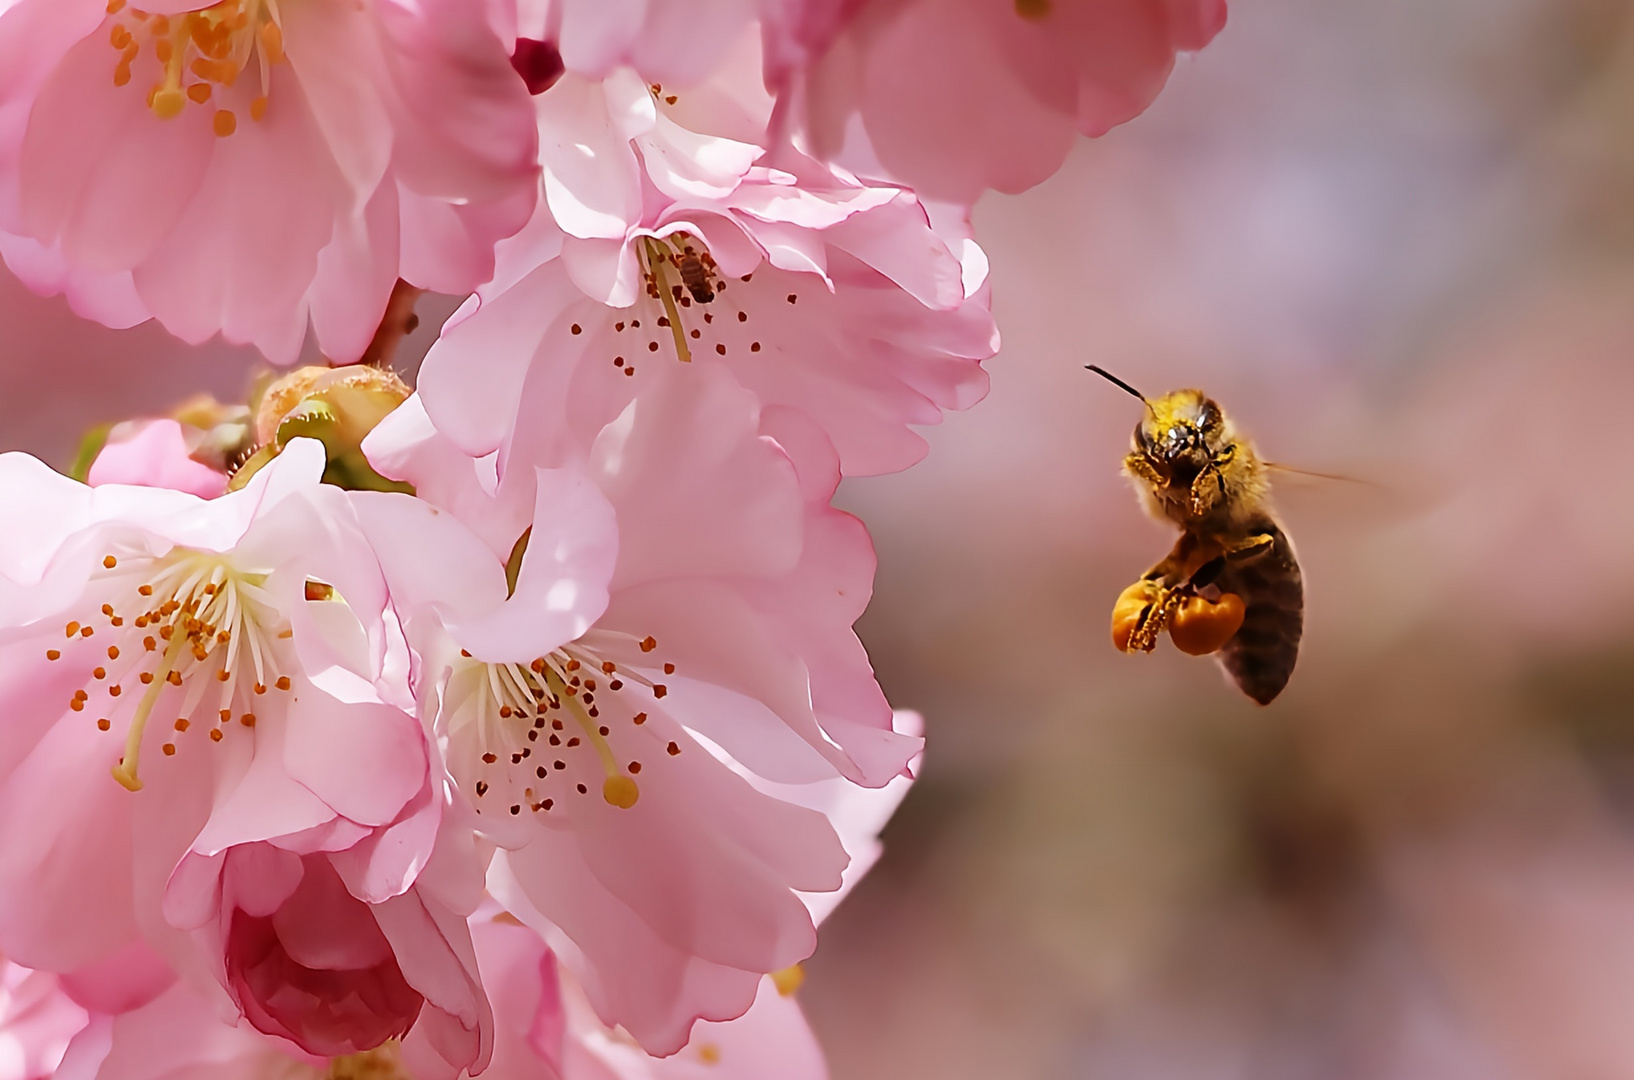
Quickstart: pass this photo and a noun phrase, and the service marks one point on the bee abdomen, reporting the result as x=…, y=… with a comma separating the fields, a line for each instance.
x=1260, y=657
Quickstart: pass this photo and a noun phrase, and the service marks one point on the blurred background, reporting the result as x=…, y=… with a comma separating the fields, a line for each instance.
x=1395, y=239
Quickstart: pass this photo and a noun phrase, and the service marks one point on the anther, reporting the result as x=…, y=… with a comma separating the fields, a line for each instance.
x=109, y=561
x=673, y=749
x=272, y=41
x=168, y=103
x=619, y=791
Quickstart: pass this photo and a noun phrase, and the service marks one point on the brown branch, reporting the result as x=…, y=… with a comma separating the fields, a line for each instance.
x=398, y=321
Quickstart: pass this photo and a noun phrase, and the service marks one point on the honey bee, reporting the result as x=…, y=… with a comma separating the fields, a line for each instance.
x=1231, y=585
x=695, y=270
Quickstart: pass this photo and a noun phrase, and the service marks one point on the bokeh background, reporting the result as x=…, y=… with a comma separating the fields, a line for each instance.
x=1395, y=239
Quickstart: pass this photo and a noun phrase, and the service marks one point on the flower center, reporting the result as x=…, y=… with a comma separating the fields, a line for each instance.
x=181, y=625
x=687, y=287
x=198, y=52
x=699, y=282
x=530, y=734
x=384, y=1062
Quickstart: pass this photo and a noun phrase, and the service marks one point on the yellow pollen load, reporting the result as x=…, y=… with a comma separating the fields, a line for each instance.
x=533, y=726
x=196, y=625
x=198, y=54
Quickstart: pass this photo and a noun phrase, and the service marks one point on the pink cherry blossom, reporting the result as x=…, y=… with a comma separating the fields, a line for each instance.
x=684, y=584
x=220, y=659
x=850, y=301
x=154, y=453
x=842, y=300
x=37, y=1020
x=239, y=167
x=956, y=96
x=772, y=1038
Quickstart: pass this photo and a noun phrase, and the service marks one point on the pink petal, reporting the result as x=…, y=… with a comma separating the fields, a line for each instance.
x=364, y=760
x=696, y=490
x=155, y=455
x=562, y=588
x=592, y=181
x=99, y=171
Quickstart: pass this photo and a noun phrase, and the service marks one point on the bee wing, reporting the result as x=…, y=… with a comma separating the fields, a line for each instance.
x=1379, y=497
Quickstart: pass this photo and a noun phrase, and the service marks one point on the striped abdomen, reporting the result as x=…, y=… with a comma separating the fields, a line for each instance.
x=1260, y=657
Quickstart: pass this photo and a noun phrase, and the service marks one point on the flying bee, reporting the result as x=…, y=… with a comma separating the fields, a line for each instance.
x=696, y=270
x=1232, y=584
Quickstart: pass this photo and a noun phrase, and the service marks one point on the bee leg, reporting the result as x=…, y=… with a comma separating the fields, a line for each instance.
x=1141, y=467
x=1204, y=575
x=1207, y=487
x=1155, y=619
x=1250, y=547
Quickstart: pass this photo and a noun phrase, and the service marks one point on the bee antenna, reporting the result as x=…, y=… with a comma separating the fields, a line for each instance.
x=1115, y=381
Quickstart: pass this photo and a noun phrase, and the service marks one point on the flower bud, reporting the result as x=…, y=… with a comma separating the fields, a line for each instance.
x=336, y=406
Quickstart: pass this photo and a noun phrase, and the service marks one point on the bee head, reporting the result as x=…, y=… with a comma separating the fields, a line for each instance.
x=1181, y=433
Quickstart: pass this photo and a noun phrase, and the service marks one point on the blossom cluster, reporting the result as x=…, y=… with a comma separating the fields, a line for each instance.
x=515, y=721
